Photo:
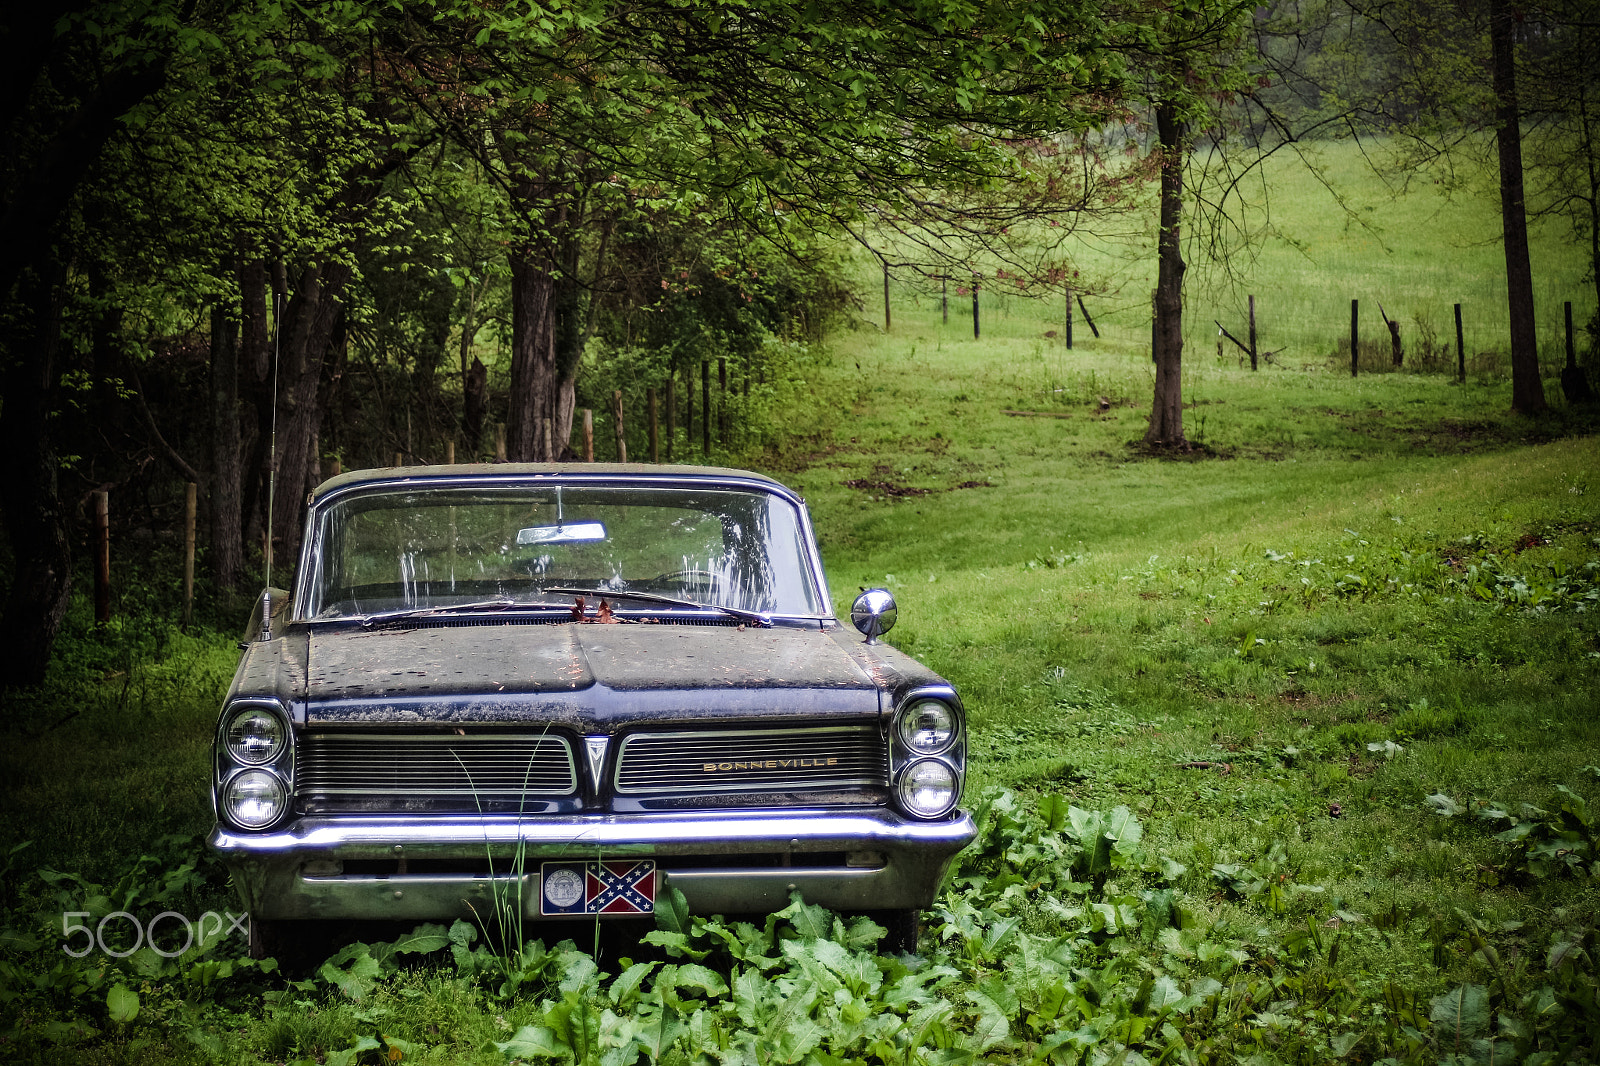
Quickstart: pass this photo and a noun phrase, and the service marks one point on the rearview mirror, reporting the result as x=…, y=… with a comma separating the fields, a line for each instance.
x=569, y=533
x=873, y=613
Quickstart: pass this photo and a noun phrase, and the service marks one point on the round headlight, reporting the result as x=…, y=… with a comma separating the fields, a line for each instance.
x=255, y=799
x=928, y=788
x=255, y=735
x=927, y=727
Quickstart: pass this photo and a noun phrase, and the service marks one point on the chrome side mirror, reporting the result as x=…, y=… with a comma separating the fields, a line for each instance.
x=873, y=613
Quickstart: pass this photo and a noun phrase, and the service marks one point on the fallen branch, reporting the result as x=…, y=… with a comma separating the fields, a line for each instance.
x=1242, y=346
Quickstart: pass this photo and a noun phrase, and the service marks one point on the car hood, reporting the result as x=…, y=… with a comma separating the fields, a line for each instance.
x=586, y=676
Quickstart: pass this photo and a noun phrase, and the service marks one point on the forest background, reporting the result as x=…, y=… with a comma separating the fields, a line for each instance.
x=391, y=230
x=408, y=231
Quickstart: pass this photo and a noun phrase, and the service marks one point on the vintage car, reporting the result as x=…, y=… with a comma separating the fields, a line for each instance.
x=562, y=688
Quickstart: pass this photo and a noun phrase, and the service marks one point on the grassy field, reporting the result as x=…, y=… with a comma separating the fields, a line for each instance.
x=1284, y=754
x=1305, y=242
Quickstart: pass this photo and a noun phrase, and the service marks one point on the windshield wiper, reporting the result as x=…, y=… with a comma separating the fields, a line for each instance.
x=451, y=608
x=671, y=601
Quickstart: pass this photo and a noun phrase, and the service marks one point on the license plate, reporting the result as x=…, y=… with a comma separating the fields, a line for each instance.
x=596, y=887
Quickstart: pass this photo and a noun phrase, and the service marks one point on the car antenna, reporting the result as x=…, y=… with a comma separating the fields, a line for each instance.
x=272, y=466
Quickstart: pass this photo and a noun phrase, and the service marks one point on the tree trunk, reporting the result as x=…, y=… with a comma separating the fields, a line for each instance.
x=533, y=354
x=1527, y=389
x=434, y=306
x=255, y=364
x=227, y=544
x=1592, y=201
x=566, y=408
x=310, y=322
x=1166, y=412
x=474, y=405
x=35, y=520
x=40, y=194
x=570, y=330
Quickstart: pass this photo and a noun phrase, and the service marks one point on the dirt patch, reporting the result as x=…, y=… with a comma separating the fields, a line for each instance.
x=1178, y=451
x=885, y=488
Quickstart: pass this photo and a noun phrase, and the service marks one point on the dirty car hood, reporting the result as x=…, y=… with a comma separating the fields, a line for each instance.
x=586, y=676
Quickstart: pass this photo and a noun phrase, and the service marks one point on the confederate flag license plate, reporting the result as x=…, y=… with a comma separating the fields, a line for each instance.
x=621, y=887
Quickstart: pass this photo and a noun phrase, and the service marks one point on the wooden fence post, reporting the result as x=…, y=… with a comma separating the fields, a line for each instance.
x=337, y=467
x=449, y=453
x=500, y=443
x=190, y=498
x=672, y=413
x=1355, y=336
x=588, y=434
x=1574, y=382
x=102, y=557
x=705, y=406
x=688, y=412
x=399, y=458
x=1461, y=350
x=1572, y=352
x=974, y=308
x=655, y=439
x=887, y=322
x=622, y=437
x=722, y=401
x=1069, y=318
x=1252, y=333
x=944, y=298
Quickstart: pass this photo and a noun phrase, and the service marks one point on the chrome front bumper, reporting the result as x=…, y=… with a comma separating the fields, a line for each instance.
x=895, y=863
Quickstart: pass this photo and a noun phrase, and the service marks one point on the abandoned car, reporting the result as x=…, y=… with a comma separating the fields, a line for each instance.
x=563, y=688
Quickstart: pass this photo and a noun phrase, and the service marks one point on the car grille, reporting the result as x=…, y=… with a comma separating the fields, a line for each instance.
x=779, y=760
x=489, y=767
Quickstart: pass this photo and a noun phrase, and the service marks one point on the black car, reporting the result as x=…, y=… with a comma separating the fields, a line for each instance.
x=560, y=688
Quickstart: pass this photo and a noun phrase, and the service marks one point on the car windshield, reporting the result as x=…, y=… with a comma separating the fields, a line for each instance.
x=437, y=548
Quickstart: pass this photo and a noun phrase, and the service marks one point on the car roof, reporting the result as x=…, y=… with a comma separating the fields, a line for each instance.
x=399, y=475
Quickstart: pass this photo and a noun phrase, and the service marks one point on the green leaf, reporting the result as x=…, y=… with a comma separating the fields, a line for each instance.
x=991, y=1026
x=1053, y=809
x=423, y=940
x=1164, y=992
x=672, y=910
x=1123, y=827
x=533, y=1042
x=1343, y=1044
x=208, y=1042
x=1460, y=1015
x=1443, y=805
x=355, y=1052
x=864, y=933
x=691, y=975
x=1085, y=826
x=123, y=1003
x=577, y=969
x=675, y=944
x=812, y=923
x=627, y=985
x=358, y=978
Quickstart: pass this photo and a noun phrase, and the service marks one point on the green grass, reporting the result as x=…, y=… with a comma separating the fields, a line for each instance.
x=1305, y=245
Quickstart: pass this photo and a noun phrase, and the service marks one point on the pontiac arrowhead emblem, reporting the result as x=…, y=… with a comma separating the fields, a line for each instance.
x=595, y=749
